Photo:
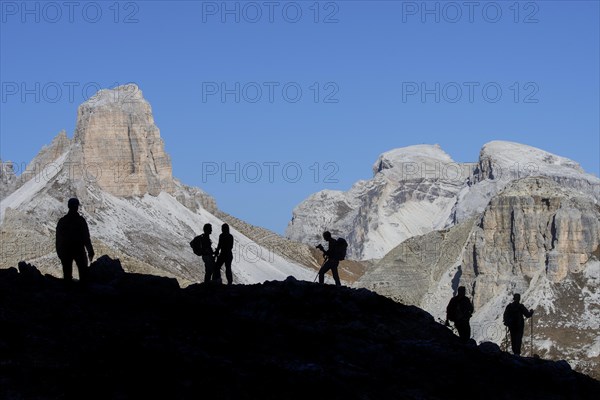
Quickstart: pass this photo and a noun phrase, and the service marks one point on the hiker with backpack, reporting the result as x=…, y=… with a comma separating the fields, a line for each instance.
x=72, y=241
x=459, y=311
x=513, y=319
x=335, y=252
x=224, y=254
x=202, y=246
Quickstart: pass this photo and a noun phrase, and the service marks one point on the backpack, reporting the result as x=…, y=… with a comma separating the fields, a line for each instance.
x=341, y=246
x=196, y=245
x=459, y=309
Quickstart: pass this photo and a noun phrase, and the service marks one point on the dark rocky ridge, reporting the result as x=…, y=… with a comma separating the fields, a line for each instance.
x=141, y=336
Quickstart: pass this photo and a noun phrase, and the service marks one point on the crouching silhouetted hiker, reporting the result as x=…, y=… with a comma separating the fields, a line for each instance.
x=224, y=254
x=336, y=251
x=459, y=311
x=72, y=240
x=202, y=246
x=513, y=319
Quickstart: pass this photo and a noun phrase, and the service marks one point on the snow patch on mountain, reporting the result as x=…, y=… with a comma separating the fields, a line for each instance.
x=32, y=187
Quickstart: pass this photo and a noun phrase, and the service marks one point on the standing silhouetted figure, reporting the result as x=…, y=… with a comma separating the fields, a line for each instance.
x=459, y=311
x=224, y=253
x=513, y=319
x=208, y=255
x=72, y=240
x=331, y=259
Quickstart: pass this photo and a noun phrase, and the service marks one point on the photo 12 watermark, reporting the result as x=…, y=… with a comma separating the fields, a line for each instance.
x=453, y=12
x=252, y=12
x=467, y=172
x=14, y=249
x=270, y=92
x=269, y=172
x=122, y=172
x=113, y=174
x=470, y=92
x=52, y=12
x=69, y=92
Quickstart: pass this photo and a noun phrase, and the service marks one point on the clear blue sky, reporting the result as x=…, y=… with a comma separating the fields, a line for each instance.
x=368, y=59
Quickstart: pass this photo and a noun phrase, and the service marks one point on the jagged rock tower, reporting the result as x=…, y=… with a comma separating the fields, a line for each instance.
x=120, y=120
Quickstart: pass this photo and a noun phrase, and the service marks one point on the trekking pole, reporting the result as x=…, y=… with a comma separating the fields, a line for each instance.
x=314, y=280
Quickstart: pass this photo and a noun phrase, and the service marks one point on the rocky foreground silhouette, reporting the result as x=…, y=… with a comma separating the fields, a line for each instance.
x=140, y=336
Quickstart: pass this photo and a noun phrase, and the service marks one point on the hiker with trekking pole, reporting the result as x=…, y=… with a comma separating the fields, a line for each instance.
x=513, y=319
x=335, y=252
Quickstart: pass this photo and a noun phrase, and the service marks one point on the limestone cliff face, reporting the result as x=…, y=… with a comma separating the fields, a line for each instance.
x=118, y=146
x=534, y=226
x=536, y=237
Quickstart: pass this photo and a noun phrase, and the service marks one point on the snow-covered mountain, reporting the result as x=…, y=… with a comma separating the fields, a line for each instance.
x=419, y=189
x=409, y=195
x=502, y=162
x=116, y=165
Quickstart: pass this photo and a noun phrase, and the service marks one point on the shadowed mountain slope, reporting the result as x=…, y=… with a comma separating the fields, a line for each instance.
x=135, y=336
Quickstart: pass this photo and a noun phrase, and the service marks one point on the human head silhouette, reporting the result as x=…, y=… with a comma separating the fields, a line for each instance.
x=207, y=229
x=73, y=204
x=225, y=228
x=461, y=291
x=516, y=297
x=326, y=235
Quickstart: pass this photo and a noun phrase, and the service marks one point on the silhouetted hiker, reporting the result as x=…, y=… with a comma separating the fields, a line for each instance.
x=208, y=256
x=513, y=319
x=224, y=254
x=332, y=259
x=72, y=240
x=459, y=311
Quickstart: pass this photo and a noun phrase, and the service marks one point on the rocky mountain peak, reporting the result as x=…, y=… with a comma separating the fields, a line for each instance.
x=48, y=154
x=407, y=160
x=116, y=139
x=502, y=162
x=129, y=97
x=509, y=160
x=60, y=139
